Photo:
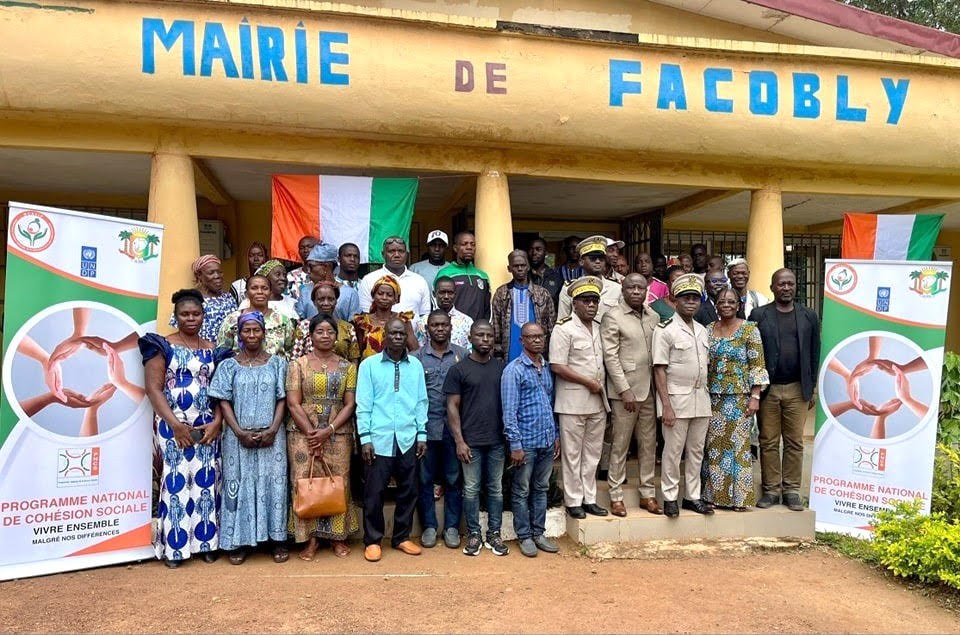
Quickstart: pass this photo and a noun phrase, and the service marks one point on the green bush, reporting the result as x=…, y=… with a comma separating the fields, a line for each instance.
x=946, y=482
x=948, y=431
x=913, y=545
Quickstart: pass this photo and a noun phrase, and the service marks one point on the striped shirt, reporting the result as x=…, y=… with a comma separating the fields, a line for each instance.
x=526, y=393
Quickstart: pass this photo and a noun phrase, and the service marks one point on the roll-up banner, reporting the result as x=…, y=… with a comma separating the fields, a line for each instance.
x=882, y=346
x=75, y=423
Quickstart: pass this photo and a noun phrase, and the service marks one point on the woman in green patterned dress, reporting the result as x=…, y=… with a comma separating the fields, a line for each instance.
x=320, y=396
x=737, y=375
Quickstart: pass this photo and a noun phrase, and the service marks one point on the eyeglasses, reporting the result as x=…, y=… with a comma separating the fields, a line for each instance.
x=394, y=241
x=533, y=337
x=590, y=300
x=596, y=256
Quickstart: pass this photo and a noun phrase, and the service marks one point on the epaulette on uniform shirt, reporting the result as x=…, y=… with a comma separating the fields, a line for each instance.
x=565, y=320
x=665, y=322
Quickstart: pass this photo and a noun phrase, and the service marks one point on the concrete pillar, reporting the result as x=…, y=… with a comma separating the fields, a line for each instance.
x=494, y=226
x=173, y=204
x=764, y=237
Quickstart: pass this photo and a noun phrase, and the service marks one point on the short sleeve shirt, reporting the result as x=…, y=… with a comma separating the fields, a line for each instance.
x=479, y=388
x=684, y=350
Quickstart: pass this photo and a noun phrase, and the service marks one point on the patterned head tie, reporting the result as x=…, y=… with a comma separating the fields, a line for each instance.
x=268, y=266
x=390, y=281
x=202, y=262
x=251, y=316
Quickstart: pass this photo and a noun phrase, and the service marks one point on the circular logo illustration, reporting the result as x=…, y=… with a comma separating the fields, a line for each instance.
x=876, y=385
x=841, y=278
x=74, y=370
x=32, y=231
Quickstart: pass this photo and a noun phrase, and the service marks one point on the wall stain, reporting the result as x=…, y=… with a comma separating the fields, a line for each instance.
x=45, y=7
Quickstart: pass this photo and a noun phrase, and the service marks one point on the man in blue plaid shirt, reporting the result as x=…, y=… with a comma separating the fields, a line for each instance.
x=526, y=393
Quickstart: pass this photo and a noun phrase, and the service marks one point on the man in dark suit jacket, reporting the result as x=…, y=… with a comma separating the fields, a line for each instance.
x=715, y=282
x=791, y=349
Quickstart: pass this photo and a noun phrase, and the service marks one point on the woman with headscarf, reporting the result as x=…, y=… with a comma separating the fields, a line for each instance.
x=276, y=275
x=254, y=502
x=217, y=303
x=278, y=339
x=177, y=372
x=256, y=256
x=320, y=396
x=324, y=296
x=371, y=326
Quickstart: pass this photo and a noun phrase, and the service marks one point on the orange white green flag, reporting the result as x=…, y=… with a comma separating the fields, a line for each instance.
x=340, y=209
x=890, y=236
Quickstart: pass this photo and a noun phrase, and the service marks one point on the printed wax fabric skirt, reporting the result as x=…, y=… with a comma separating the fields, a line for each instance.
x=336, y=453
x=727, y=473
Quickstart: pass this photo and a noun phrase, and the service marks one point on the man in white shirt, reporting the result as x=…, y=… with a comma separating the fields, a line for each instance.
x=739, y=274
x=414, y=292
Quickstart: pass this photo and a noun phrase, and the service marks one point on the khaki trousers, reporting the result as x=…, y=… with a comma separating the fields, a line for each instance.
x=581, y=443
x=691, y=433
x=643, y=425
x=782, y=415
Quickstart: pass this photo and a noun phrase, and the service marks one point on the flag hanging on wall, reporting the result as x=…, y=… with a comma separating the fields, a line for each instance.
x=890, y=236
x=340, y=209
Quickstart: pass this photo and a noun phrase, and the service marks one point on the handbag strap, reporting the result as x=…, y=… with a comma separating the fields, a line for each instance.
x=326, y=467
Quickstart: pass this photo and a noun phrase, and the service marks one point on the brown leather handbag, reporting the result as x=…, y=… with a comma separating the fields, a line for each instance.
x=319, y=496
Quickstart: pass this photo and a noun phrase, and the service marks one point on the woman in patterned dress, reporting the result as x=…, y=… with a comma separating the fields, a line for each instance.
x=217, y=303
x=737, y=375
x=324, y=296
x=254, y=446
x=371, y=326
x=279, y=336
x=177, y=373
x=320, y=397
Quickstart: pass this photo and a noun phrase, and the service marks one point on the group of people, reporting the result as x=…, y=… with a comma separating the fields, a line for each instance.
x=432, y=381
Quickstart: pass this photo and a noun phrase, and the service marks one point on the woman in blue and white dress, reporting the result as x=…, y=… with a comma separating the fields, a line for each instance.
x=178, y=370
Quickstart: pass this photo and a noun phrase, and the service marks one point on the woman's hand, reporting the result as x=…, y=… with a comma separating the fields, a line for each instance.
x=267, y=437
x=102, y=395
x=211, y=432
x=753, y=405
x=181, y=434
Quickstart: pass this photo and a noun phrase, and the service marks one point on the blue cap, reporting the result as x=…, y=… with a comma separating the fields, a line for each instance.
x=323, y=252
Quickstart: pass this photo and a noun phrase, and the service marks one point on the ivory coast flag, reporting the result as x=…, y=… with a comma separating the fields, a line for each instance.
x=890, y=236
x=340, y=209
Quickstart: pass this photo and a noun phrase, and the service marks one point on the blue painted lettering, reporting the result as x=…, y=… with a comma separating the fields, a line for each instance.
x=712, y=99
x=300, y=45
x=764, y=93
x=846, y=112
x=671, y=89
x=154, y=28
x=329, y=57
x=246, y=50
x=620, y=86
x=806, y=104
x=216, y=47
x=896, y=97
x=270, y=49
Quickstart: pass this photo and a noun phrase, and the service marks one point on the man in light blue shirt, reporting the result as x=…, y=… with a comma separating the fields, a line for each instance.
x=321, y=261
x=392, y=426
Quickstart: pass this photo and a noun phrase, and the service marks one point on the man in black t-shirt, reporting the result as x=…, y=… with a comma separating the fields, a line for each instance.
x=474, y=418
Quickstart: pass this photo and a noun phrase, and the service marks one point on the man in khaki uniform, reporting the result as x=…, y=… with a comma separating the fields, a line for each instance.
x=626, y=332
x=576, y=359
x=680, y=360
x=593, y=260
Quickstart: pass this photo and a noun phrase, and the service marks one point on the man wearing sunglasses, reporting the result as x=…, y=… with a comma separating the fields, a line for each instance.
x=593, y=259
x=715, y=283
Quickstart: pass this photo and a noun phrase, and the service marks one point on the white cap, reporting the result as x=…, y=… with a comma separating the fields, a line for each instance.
x=618, y=243
x=435, y=234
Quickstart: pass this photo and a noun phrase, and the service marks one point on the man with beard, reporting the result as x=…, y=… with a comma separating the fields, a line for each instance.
x=593, y=260
x=541, y=274
x=473, y=285
x=739, y=275
x=437, y=242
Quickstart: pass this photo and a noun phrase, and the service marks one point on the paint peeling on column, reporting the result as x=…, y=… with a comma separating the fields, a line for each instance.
x=45, y=7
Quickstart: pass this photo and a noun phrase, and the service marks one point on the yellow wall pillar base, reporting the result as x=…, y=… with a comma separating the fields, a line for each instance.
x=764, y=237
x=173, y=204
x=494, y=226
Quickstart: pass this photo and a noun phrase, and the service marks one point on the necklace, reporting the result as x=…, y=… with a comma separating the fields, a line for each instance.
x=323, y=361
x=250, y=361
x=184, y=341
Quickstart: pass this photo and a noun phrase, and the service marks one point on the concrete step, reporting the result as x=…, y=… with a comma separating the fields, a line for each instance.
x=639, y=526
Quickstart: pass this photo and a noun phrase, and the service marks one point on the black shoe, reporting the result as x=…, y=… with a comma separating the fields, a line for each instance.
x=576, y=512
x=211, y=556
x=792, y=501
x=172, y=564
x=671, y=509
x=697, y=506
x=474, y=545
x=768, y=500
x=594, y=510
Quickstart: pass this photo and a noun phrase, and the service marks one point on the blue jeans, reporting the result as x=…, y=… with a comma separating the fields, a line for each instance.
x=530, y=509
x=486, y=461
x=440, y=460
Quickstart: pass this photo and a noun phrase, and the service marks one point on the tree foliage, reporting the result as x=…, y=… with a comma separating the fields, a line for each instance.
x=940, y=14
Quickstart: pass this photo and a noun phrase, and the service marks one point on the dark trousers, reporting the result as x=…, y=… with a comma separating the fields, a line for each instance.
x=440, y=462
x=403, y=468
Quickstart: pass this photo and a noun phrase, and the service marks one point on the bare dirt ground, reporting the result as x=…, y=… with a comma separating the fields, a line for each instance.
x=806, y=590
